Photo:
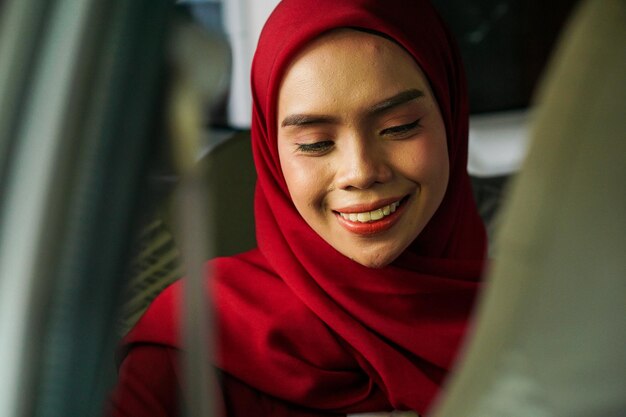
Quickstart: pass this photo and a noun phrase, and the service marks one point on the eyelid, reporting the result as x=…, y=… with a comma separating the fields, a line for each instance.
x=317, y=147
x=399, y=129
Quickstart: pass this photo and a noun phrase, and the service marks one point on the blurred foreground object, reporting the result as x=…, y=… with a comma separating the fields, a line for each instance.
x=79, y=81
x=200, y=66
x=550, y=334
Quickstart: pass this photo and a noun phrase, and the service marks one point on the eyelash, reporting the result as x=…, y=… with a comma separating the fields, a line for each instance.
x=325, y=145
x=399, y=130
x=315, y=147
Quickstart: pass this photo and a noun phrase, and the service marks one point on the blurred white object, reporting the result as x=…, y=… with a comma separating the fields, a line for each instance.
x=550, y=333
x=243, y=21
x=497, y=143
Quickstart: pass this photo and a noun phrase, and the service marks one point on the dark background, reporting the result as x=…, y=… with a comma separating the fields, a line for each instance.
x=505, y=45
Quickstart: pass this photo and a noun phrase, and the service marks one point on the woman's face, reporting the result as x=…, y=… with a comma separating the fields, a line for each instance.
x=362, y=144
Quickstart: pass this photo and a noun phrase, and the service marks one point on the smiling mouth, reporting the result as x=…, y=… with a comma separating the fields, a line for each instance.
x=371, y=222
x=371, y=216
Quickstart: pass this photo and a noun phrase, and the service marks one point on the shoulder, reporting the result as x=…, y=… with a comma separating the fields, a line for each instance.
x=148, y=384
x=252, y=260
x=160, y=323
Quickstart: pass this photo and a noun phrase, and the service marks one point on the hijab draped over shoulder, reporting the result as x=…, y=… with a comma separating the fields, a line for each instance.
x=304, y=325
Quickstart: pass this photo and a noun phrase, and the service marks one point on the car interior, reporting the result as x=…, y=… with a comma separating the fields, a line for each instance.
x=120, y=173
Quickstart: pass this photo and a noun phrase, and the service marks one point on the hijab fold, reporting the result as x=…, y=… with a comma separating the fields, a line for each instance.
x=304, y=324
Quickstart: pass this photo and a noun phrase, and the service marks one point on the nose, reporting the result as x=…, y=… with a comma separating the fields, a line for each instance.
x=362, y=164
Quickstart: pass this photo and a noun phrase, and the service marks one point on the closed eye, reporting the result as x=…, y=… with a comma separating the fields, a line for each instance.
x=399, y=130
x=315, y=147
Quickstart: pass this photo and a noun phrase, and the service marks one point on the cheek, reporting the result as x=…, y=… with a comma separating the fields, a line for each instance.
x=306, y=181
x=438, y=164
x=426, y=162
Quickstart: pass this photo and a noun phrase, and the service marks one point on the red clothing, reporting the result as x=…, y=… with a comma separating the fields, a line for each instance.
x=299, y=325
x=149, y=386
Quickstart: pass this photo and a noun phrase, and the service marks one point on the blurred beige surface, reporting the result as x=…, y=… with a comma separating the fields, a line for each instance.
x=550, y=339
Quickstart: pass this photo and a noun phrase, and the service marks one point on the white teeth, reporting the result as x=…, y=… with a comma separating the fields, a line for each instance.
x=377, y=214
x=373, y=215
x=364, y=217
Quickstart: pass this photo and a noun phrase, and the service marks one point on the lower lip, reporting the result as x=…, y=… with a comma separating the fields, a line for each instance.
x=372, y=228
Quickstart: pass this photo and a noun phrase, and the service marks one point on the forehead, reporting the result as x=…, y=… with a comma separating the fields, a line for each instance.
x=334, y=41
x=348, y=66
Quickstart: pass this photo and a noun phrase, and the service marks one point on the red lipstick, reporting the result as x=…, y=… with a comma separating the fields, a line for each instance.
x=374, y=226
x=361, y=208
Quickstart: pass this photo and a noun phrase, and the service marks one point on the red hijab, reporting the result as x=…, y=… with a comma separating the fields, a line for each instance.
x=302, y=323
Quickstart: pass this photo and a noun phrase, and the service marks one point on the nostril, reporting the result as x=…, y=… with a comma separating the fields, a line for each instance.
x=362, y=165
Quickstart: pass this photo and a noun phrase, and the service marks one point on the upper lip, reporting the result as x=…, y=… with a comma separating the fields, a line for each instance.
x=364, y=207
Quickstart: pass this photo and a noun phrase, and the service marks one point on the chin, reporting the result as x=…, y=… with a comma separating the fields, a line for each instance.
x=375, y=261
x=374, y=265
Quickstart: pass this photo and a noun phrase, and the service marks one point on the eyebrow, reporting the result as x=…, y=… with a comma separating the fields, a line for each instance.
x=396, y=100
x=388, y=103
x=307, y=119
